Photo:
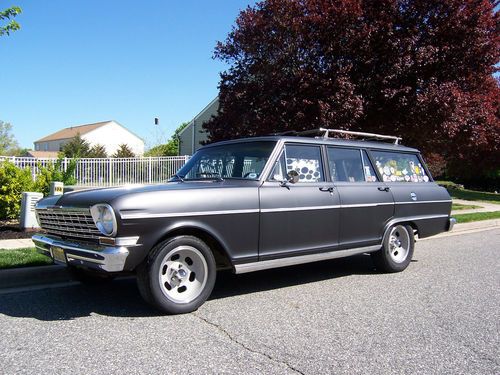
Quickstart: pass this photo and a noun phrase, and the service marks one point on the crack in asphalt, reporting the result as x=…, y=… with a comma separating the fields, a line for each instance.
x=239, y=343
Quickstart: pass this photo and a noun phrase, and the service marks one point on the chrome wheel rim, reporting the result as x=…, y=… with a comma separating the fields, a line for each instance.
x=183, y=274
x=399, y=243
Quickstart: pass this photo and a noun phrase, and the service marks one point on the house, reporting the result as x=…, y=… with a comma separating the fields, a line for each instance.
x=193, y=135
x=110, y=134
x=41, y=154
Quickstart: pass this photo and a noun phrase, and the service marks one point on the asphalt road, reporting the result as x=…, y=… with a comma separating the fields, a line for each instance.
x=440, y=316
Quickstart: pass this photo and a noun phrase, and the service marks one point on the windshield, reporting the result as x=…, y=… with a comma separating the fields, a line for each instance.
x=237, y=160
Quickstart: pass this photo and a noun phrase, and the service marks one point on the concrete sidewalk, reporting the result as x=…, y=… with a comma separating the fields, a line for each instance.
x=16, y=244
x=484, y=207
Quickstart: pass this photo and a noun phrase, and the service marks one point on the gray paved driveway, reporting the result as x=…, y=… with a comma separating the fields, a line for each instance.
x=439, y=316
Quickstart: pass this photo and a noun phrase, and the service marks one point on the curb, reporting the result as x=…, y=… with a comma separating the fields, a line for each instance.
x=476, y=224
x=29, y=276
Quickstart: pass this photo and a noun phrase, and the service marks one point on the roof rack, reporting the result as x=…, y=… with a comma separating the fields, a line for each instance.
x=360, y=134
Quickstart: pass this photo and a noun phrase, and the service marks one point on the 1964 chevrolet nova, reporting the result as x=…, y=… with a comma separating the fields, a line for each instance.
x=248, y=205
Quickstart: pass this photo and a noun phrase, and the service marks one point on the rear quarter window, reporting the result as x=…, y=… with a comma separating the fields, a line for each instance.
x=399, y=167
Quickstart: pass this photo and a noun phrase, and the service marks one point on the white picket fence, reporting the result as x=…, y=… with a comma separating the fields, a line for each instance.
x=111, y=171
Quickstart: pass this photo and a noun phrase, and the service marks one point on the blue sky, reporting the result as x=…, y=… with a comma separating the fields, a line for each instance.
x=78, y=62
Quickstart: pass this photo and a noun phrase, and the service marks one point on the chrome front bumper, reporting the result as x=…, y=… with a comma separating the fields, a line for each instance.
x=451, y=222
x=99, y=257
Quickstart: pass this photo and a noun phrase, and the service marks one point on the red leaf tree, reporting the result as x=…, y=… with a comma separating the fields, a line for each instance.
x=419, y=69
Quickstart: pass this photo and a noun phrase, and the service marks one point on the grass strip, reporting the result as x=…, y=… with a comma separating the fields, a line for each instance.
x=458, y=206
x=472, y=195
x=22, y=258
x=477, y=216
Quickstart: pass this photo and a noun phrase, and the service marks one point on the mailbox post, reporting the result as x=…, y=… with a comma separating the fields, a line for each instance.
x=56, y=188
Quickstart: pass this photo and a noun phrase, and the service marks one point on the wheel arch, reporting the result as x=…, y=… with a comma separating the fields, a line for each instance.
x=214, y=242
x=402, y=221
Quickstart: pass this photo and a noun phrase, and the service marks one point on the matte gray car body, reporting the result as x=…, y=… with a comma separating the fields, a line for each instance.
x=251, y=223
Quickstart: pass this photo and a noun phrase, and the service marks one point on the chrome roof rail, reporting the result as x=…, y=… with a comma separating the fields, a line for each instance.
x=359, y=134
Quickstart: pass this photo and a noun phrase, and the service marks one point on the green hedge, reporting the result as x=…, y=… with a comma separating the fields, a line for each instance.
x=13, y=181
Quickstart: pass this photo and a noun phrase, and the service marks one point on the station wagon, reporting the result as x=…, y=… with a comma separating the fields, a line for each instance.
x=248, y=205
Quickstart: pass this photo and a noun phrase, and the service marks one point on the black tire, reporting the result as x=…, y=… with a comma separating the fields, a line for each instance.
x=394, y=258
x=89, y=277
x=178, y=276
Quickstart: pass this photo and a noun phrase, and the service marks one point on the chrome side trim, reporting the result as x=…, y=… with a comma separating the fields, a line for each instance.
x=414, y=202
x=126, y=216
x=366, y=205
x=308, y=208
x=291, y=261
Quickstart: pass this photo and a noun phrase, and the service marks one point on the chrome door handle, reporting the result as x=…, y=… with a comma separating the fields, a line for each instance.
x=326, y=189
x=384, y=188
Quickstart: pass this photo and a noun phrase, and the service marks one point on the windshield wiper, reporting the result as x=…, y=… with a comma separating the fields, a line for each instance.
x=216, y=176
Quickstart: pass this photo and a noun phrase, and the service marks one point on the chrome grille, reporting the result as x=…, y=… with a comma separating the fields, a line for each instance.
x=70, y=223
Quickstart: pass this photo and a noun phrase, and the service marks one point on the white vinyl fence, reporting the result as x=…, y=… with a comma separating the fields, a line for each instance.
x=111, y=171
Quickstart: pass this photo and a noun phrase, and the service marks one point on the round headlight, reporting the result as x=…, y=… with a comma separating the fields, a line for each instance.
x=104, y=218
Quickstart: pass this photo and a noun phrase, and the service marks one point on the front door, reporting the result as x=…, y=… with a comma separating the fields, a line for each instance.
x=302, y=217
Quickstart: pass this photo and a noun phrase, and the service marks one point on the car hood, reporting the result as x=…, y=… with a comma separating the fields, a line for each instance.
x=87, y=198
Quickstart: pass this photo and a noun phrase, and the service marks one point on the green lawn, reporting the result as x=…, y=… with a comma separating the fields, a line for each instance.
x=22, y=258
x=478, y=216
x=458, y=206
x=472, y=195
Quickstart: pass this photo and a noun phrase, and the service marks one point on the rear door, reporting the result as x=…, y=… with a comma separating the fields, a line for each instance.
x=298, y=218
x=366, y=203
x=414, y=192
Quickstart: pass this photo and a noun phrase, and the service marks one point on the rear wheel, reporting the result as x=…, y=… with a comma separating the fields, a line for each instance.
x=397, y=250
x=178, y=275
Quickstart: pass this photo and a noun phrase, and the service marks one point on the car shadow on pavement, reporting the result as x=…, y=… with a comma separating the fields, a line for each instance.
x=229, y=284
x=121, y=297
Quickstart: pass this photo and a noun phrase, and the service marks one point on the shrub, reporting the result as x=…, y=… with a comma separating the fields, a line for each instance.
x=54, y=172
x=13, y=181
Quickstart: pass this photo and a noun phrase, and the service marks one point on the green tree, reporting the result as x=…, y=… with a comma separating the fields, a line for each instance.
x=9, y=14
x=76, y=148
x=98, y=151
x=171, y=148
x=123, y=151
x=8, y=143
x=421, y=69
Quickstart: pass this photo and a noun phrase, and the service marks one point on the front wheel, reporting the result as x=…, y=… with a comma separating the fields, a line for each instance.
x=397, y=250
x=178, y=275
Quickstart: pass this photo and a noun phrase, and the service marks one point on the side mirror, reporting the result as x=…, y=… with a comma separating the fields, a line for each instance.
x=293, y=177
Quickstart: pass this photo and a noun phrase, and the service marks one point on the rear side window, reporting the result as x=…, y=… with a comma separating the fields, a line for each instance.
x=399, y=167
x=350, y=165
x=305, y=160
